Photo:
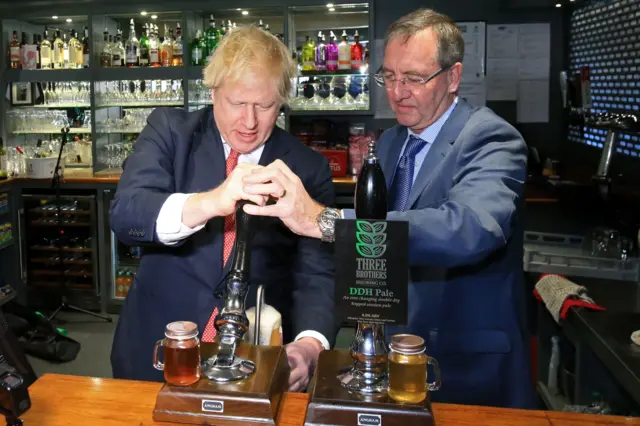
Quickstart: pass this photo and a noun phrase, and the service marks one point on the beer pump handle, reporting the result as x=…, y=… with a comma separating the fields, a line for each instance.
x=259, y=306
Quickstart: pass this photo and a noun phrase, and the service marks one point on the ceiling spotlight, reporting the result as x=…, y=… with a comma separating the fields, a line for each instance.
x=154, y=16
x=558, y=5
x=69, y=20
x=238, y=9
x=329, y=5
x=332, y=9
x=54, y=17
x=143, y=13
x=245, y=12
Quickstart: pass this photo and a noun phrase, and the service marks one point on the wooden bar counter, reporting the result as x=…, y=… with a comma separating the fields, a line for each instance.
x=60, y=400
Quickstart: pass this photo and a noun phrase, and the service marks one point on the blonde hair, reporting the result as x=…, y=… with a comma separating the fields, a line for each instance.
x=249, y=49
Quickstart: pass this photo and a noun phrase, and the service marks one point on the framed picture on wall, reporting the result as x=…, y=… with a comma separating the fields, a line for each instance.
x=21, y=93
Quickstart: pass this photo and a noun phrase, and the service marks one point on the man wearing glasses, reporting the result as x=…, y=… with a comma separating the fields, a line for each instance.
x=456, y=173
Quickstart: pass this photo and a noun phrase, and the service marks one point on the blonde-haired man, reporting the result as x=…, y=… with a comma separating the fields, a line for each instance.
x=177, y=196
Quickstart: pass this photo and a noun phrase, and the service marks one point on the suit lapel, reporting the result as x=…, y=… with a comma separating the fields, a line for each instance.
x=391, y=155
x=210, y=163
x=439, y=149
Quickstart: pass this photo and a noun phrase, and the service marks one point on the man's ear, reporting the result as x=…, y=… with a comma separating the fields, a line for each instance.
x=454, y=75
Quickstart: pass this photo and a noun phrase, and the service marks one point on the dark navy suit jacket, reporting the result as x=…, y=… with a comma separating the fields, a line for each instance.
x=183, y=152
x=467, y=295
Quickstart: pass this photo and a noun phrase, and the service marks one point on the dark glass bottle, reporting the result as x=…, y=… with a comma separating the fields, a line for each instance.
x=371, y=189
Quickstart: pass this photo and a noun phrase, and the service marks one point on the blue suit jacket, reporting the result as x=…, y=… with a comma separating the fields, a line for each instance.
x=467, y=294
x=182, y=152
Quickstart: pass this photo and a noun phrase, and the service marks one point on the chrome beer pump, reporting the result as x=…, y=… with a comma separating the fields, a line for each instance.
x=232, y=322
x=368, y=374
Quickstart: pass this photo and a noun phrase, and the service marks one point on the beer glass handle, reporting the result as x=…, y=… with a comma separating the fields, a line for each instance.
x=435, y=385
x=156, y=363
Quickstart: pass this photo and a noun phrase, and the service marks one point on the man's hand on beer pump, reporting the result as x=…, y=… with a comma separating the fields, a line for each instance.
x=293, y=205
x=303, y=357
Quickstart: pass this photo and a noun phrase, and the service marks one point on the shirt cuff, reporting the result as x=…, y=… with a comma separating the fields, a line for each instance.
x=348, y=213
x=318, y=336
x=169, y=227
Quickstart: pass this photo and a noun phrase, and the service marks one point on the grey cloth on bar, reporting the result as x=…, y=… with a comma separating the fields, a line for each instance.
x=554, y=290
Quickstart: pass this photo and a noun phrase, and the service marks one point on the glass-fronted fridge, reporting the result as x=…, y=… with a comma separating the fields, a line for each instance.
x=121, y=263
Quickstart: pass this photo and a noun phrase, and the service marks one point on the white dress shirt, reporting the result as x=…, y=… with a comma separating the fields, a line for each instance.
x=170, y=229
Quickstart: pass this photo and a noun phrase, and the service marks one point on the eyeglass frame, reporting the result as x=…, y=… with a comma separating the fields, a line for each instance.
x=378, y=77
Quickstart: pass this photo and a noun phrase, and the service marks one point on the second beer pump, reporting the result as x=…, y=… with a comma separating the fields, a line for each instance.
x=368, y=373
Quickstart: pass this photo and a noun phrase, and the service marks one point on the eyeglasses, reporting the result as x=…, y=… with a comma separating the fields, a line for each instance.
x=388, y=80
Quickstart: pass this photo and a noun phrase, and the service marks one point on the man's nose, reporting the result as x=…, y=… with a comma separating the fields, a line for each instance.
x=250, y=119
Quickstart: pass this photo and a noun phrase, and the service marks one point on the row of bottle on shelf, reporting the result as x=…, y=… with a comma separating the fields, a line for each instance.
x=49, y=54
x=4, y=199
x=320, y=56
x=123, y=282
x=5, y=233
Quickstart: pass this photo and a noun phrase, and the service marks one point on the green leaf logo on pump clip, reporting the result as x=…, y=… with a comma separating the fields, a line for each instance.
x=371, y=238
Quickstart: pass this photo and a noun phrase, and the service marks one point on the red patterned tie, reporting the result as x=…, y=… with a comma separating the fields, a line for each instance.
x=209, y=333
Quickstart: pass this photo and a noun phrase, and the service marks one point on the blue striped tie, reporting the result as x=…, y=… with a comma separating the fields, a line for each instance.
x=404, y=173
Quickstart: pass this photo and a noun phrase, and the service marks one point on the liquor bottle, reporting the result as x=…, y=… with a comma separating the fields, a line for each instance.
x=344, y=53
x=119, y=45
x=131, y=47
x=212, y=38
x=266, y=28
x=74, y=48
x=23, y=58
x=28, y=53
x=85, y=48
x=105, y=54
x=321, y=53
x=154, y=47
x=332, y=53
x=45, y=52
x=178, y=51
x=144, y=47
x=58, y=52
x=371, y=189
x=116, y=60
x=65, y=51
x=166, y=49
x=197, y=49
x=14, y=51
x=356, y=52
x=261, y=25
x=309, y=55
x=36, y=41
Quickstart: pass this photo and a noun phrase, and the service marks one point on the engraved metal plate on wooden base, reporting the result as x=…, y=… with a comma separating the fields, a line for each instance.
x=332, y=404
x=253, y=401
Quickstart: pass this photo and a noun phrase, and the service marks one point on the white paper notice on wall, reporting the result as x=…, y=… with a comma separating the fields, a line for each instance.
x=502, y=42
x=475, y=92
x=475, y=37
x=502, y=79
x=533, y=101
x=534, y=49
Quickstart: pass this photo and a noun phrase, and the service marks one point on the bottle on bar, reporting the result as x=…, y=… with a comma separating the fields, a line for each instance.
x=356, y=52
x=197, y=49
x=154, y=47
x=344, y=52
x=36, y=41
x=105, y=55
x=261, y=25
x=266, y=28
x=85, y=48
x=14, y=51
x=166, y=49
x=23, y=56
x=144, y=47
x=371, y=188
x=131, y=47
x=212, y=38
x=178, y=48
x=73, y=50
x=321, y=53
x=309, y=55
x=45, y=51
x=332, y=53
x=65, y=51
x=122, y=54
x=58, y=52
x=116, y=60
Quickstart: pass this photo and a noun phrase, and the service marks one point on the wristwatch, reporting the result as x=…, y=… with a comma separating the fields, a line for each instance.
x=327, y=223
